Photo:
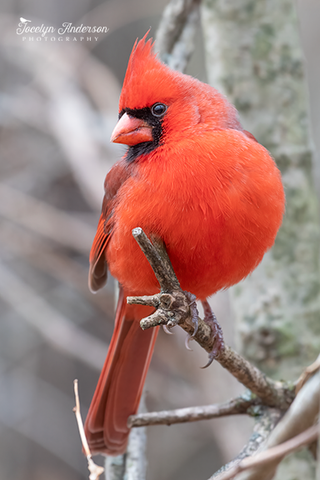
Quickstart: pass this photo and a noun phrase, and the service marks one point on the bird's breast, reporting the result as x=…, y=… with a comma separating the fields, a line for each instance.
x=217, y=205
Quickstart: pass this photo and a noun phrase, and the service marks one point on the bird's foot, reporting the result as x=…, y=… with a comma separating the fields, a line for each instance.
x=211, y=320
x=194, y=316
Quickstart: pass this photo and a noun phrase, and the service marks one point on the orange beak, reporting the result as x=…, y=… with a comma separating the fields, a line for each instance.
x=131, y=131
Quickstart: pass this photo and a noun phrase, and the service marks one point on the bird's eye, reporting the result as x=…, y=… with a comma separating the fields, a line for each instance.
x=158, y=109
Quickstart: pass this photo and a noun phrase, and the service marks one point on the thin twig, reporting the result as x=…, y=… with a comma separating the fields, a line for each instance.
x=173, y=308
x=95, y=470
x=235, y=406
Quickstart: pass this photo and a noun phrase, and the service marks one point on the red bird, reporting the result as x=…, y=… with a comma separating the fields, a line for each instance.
x=196, y=179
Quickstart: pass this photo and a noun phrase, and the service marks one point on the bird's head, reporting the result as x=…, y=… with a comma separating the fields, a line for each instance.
x=158, y=105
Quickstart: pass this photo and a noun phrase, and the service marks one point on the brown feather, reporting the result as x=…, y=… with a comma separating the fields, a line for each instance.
x=98, y=271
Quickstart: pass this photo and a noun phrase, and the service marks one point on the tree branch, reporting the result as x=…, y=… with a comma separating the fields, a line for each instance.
x=266, y=420
x=235, y=406
x=173, y=308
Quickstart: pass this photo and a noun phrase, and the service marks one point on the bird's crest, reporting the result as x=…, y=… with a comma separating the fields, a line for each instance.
x=146, y=77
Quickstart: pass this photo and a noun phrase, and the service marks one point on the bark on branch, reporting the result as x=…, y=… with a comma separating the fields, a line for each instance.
x=236, y=406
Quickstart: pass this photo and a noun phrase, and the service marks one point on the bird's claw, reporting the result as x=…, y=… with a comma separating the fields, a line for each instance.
x=211, y=357
x=216, y=330
x=187, y=342
x=167, y=330
x=214, y=353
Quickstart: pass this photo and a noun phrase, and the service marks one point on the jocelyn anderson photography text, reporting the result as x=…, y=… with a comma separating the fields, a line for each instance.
x=45, y=32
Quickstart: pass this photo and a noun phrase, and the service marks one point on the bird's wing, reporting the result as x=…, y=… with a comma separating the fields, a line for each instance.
x=98, y=267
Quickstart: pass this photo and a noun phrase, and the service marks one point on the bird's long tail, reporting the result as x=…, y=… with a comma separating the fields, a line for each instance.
x=120, y=385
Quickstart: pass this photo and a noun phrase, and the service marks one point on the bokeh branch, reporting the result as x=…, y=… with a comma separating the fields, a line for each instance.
x=175, y=36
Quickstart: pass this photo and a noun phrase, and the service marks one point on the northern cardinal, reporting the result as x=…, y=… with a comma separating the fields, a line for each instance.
x=193, y=177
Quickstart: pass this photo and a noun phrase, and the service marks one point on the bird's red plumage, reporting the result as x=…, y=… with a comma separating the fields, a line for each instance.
x=207, y=189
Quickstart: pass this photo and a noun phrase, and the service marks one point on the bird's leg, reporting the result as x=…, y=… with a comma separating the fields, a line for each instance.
x=211, y=320
x=194, y=316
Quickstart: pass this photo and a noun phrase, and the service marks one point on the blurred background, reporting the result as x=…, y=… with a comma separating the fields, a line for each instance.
x=58, y=106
